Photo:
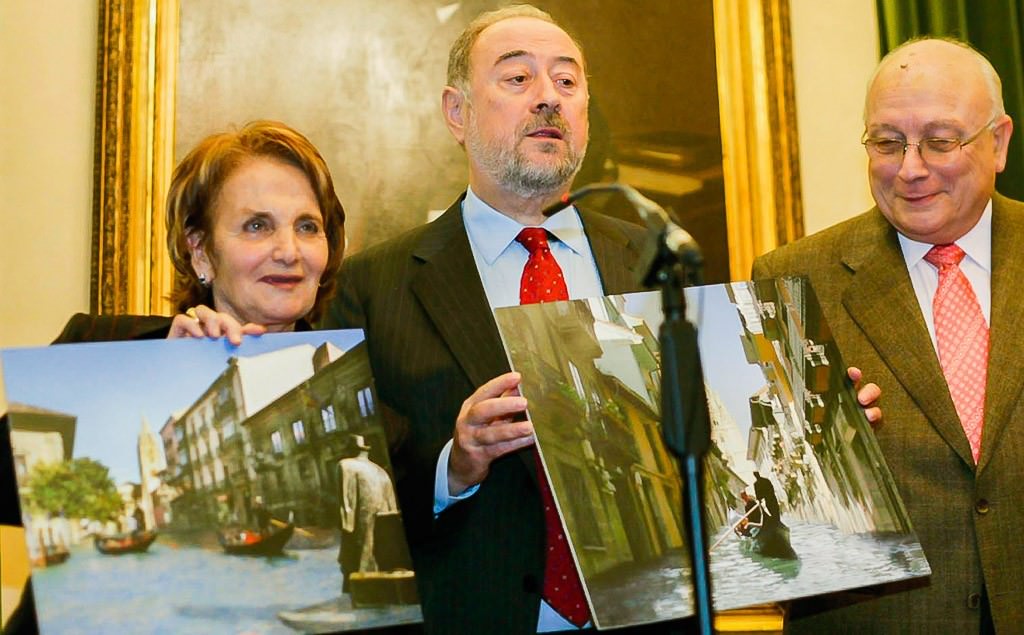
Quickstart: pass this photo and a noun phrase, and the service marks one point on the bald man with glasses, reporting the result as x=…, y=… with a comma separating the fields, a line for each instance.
x=922, y=293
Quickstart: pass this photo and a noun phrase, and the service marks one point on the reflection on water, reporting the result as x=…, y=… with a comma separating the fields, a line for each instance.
x=180, y=589
x=829, y=561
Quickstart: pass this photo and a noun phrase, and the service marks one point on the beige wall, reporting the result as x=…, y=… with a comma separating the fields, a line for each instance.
x=835, y=49
x=48, y=75
x=47, y=69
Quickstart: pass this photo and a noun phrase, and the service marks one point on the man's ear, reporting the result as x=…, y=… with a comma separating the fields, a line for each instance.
x=453, y=107
x=201, y=262
x=1001, y=131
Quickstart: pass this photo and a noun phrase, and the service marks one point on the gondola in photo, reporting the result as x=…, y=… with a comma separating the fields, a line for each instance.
x=135, y=542
x=249, y=542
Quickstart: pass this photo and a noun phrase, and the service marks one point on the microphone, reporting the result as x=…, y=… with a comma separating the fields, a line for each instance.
x=565, y=200
x=676, y=239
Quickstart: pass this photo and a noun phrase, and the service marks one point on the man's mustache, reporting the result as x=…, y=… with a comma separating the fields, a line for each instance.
x=548, y=119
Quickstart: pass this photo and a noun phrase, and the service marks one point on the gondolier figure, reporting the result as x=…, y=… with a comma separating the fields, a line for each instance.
x=765, y=493
x=366, y=490
x=140, y=519
x=771, y=539
x=261, y=515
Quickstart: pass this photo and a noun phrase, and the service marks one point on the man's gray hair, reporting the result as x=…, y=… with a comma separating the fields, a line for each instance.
x=458, y=55
x=988, y=72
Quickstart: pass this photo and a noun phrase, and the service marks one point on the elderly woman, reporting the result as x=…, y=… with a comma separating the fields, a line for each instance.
x=256, y=234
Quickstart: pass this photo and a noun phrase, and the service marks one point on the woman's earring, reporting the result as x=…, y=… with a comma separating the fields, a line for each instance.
x=203, y=281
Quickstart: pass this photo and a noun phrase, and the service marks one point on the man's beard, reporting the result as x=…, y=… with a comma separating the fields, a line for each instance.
x=510, y=167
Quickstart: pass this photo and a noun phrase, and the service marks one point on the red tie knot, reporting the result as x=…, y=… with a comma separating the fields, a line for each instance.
x=535, y=239
x=945, y=255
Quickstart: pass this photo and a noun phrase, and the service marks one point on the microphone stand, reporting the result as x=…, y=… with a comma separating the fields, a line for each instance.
x=684, y=419
x=672, y=260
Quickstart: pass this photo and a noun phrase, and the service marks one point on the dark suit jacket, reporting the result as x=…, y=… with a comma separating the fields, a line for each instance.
x=969, y=519
x=432, y=340
x=83, y=327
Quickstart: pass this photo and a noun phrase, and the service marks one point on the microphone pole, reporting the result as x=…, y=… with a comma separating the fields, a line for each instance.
x=671, y=259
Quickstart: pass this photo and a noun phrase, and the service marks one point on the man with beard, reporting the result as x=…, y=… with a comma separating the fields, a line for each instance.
x=467, y=474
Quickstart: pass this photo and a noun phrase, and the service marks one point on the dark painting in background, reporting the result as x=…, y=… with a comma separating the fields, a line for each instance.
x=363, y=80
x=692, y=104
x=190, y=486
x=799, y=499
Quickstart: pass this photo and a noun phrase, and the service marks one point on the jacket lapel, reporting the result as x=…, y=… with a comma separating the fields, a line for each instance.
x=881, y=301
x=449, y=288
x=614, y=252
x=1005, y=362
x=450, y=291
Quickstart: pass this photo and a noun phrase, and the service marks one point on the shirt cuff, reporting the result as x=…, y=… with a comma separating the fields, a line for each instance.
x=442, y=498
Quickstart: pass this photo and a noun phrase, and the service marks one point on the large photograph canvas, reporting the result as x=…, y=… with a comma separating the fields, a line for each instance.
x=799, y=501
x=191, y=486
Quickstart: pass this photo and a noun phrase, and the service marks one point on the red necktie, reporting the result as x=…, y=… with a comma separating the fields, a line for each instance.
x=542, y=281
x=962, y=338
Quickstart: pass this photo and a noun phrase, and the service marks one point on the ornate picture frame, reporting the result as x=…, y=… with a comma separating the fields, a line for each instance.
x=137, y=87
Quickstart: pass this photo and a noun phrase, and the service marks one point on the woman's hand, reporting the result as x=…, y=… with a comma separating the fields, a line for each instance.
x=202, y=321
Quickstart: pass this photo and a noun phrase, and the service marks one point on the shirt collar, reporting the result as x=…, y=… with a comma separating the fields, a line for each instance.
x=977, y=243
x=491, y=232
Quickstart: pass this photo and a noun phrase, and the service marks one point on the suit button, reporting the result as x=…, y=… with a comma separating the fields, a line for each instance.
x=981, y=506
x=973, y=600
x=530, y=584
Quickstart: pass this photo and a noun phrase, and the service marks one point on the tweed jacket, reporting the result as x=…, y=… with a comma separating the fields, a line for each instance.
x=968, y=518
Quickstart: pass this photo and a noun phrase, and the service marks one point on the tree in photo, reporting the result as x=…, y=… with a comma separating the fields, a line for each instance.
x=80, y=488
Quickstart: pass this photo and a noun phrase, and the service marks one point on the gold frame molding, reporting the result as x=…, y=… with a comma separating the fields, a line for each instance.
x=131, y=272
x=757, y=105
x=138, y=44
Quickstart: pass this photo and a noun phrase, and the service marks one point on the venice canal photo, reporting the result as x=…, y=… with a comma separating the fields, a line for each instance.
x=798, y=499
x=194, y=487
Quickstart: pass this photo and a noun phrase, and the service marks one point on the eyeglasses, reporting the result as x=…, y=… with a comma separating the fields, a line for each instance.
x=932, y=150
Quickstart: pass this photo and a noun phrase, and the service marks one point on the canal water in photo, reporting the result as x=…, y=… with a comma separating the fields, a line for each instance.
x=828, y=560
x=181, y=588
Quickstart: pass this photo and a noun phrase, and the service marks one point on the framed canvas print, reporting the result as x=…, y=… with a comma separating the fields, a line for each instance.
x=190, y=486
x=799, y=500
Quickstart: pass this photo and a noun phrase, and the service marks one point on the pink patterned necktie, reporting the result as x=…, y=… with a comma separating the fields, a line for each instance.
x=962, y=337
x=542, y=281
